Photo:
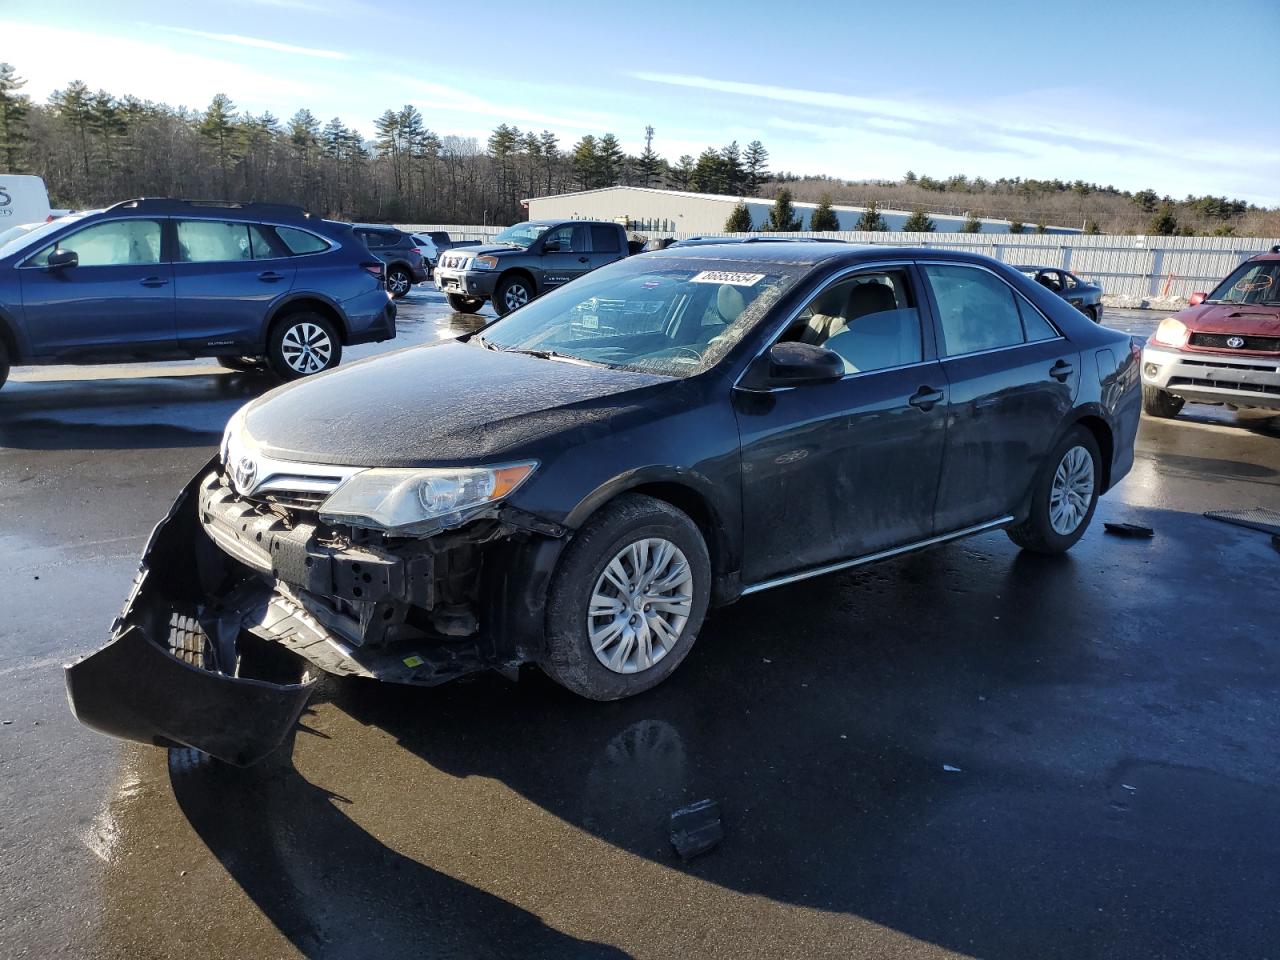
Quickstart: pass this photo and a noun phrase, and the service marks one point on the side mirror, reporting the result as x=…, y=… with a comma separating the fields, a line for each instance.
x=1198, y=298
x=794, y=364
x=551, y=246
x=61, y=259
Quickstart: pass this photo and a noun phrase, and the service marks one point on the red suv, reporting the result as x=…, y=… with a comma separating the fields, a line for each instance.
x=1224, y=348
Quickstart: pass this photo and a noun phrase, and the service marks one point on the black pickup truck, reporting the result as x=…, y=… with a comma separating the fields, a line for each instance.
x=526, y=260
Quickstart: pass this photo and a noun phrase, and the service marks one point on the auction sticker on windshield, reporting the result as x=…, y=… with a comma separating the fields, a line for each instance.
x=725, y=276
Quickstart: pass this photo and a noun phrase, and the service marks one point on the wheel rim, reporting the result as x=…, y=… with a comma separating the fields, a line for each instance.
x=306, y=348
x=517, y=295
x=399, y=282
x=640, y=605
x=1072, y=491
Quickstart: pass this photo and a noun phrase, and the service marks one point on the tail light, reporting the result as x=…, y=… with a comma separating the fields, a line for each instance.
x=417, y=251
x=376, y=268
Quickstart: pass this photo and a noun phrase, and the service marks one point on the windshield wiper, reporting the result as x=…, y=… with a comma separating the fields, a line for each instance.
x=552, y=355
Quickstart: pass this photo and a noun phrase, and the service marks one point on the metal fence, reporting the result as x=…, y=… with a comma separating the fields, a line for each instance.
x=1141, y=267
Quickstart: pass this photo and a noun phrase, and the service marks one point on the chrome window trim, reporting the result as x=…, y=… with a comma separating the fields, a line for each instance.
x=872, y=557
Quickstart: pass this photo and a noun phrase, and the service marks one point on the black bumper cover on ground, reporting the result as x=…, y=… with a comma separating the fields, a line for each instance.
x=135, y=689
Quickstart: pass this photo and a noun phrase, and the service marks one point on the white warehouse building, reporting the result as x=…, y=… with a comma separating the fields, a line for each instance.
x=663, y=212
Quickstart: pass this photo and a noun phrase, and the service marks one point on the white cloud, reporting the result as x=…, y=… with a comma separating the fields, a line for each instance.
x=431, y=97
x=256, y=42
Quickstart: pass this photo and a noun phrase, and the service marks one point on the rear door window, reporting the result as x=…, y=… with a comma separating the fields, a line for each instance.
x=604, y=239
x=213, y=241
x=976, y=309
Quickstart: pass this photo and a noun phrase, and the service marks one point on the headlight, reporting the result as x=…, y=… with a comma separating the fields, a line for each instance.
x=233, y=433
x=484, y=263
x=398, y=500
x=1172, y=332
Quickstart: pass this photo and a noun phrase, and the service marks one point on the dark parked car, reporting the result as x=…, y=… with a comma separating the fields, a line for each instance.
x=575, y=485
x=525, y=261
x=249, y=284
x=1084, y=296
x=1224, y=348
x=406, y=264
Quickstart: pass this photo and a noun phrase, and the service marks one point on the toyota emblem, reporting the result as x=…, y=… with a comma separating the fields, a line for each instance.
x=244, y=473
x=1235, y=343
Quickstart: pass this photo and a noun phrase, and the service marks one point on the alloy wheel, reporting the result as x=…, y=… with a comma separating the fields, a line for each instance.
x=1071, y=492
x=398, y=283
x=517, y=295
x=640, y=605
x=306, y=348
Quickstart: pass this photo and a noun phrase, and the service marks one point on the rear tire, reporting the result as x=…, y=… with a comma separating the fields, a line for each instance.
x=303, y=344
x=4, y=363
x=399, y=282
x=673, y=585
x=1061, y=505
x=461, y=304
x=1160, y=403
x=1092, y=313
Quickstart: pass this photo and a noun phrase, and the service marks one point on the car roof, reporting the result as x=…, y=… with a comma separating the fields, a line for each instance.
x=811, y=254
x=1031, y=266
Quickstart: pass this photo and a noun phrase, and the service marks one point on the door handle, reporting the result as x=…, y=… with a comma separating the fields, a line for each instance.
x=270, y=276
x=1061, y=370
x=925, y=398
x=584, y=259
x=153, y=281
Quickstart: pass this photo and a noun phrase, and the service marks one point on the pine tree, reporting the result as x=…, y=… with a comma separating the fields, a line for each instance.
x=550, y=145
x=708, y=173
x=1146, y=200
x=1017, y=226
x=732, y=177
x=682, y=173
x=919, y=222
x=739, y=220
x=1042, y=227
x=823, y=218
x=14, y=107
x=1164, y=223
x=754, y=163
x=871, y=219
x=971, y=225
x=649, y=164
x=219, y=127
x=586, y=162
x=910, y=177
x=1091, y=228
x=782, y=217
x=609, y=169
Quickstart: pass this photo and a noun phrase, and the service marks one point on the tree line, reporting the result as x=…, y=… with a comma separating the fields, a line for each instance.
x=93, y=148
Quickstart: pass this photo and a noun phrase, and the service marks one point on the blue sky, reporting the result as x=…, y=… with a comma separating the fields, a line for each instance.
x=1179, y=96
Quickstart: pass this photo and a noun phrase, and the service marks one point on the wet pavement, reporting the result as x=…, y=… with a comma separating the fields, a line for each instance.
x=964, y=752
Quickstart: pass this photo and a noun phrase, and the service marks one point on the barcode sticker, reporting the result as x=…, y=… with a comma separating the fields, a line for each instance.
x=726, y=276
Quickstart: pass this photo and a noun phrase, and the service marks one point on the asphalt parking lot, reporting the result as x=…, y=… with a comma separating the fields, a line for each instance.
x=966, y=752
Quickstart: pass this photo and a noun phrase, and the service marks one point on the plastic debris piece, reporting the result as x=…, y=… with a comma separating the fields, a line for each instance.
x=1129, y=787
x=1135, y=530
x=695, y=829
x=414, y=661
x=950, y=769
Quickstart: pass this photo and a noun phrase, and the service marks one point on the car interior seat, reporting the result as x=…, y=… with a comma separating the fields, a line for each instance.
x=875, y=333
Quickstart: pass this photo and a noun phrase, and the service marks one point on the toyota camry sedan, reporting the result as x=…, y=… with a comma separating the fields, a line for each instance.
x=579, y=483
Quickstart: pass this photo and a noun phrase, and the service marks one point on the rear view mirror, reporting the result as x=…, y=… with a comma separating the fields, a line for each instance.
x=793, y=363
x=61, y=259
x=1198, y=298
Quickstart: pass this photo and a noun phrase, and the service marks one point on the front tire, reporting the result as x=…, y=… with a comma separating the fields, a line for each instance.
x=303, y=344
x=512, y=293
x=627, y=599
x=1064, y=496
x=1160, y=403
x=461, y=304
x=399, y=282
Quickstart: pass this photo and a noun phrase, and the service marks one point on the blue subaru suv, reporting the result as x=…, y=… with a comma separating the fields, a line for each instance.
x=252, y=285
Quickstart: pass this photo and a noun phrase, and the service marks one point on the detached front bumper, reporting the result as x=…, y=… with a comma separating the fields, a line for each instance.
x=1237, y=379
x=135, y=689
x=466, y=283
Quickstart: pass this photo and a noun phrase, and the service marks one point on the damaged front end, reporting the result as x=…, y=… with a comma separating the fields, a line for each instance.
x=228, y=581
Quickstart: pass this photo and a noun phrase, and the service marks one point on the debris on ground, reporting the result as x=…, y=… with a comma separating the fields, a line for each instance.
x=695, y=829
x=1255, y=518
x=1135, y=530
x=950, y=769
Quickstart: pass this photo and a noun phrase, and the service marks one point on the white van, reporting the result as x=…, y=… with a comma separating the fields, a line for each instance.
x=22, y=200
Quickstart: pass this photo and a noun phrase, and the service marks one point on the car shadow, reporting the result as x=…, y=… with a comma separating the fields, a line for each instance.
x=124, y=413
x=970, y=746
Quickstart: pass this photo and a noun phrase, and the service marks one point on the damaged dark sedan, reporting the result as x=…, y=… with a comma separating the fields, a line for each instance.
x=577, y=484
